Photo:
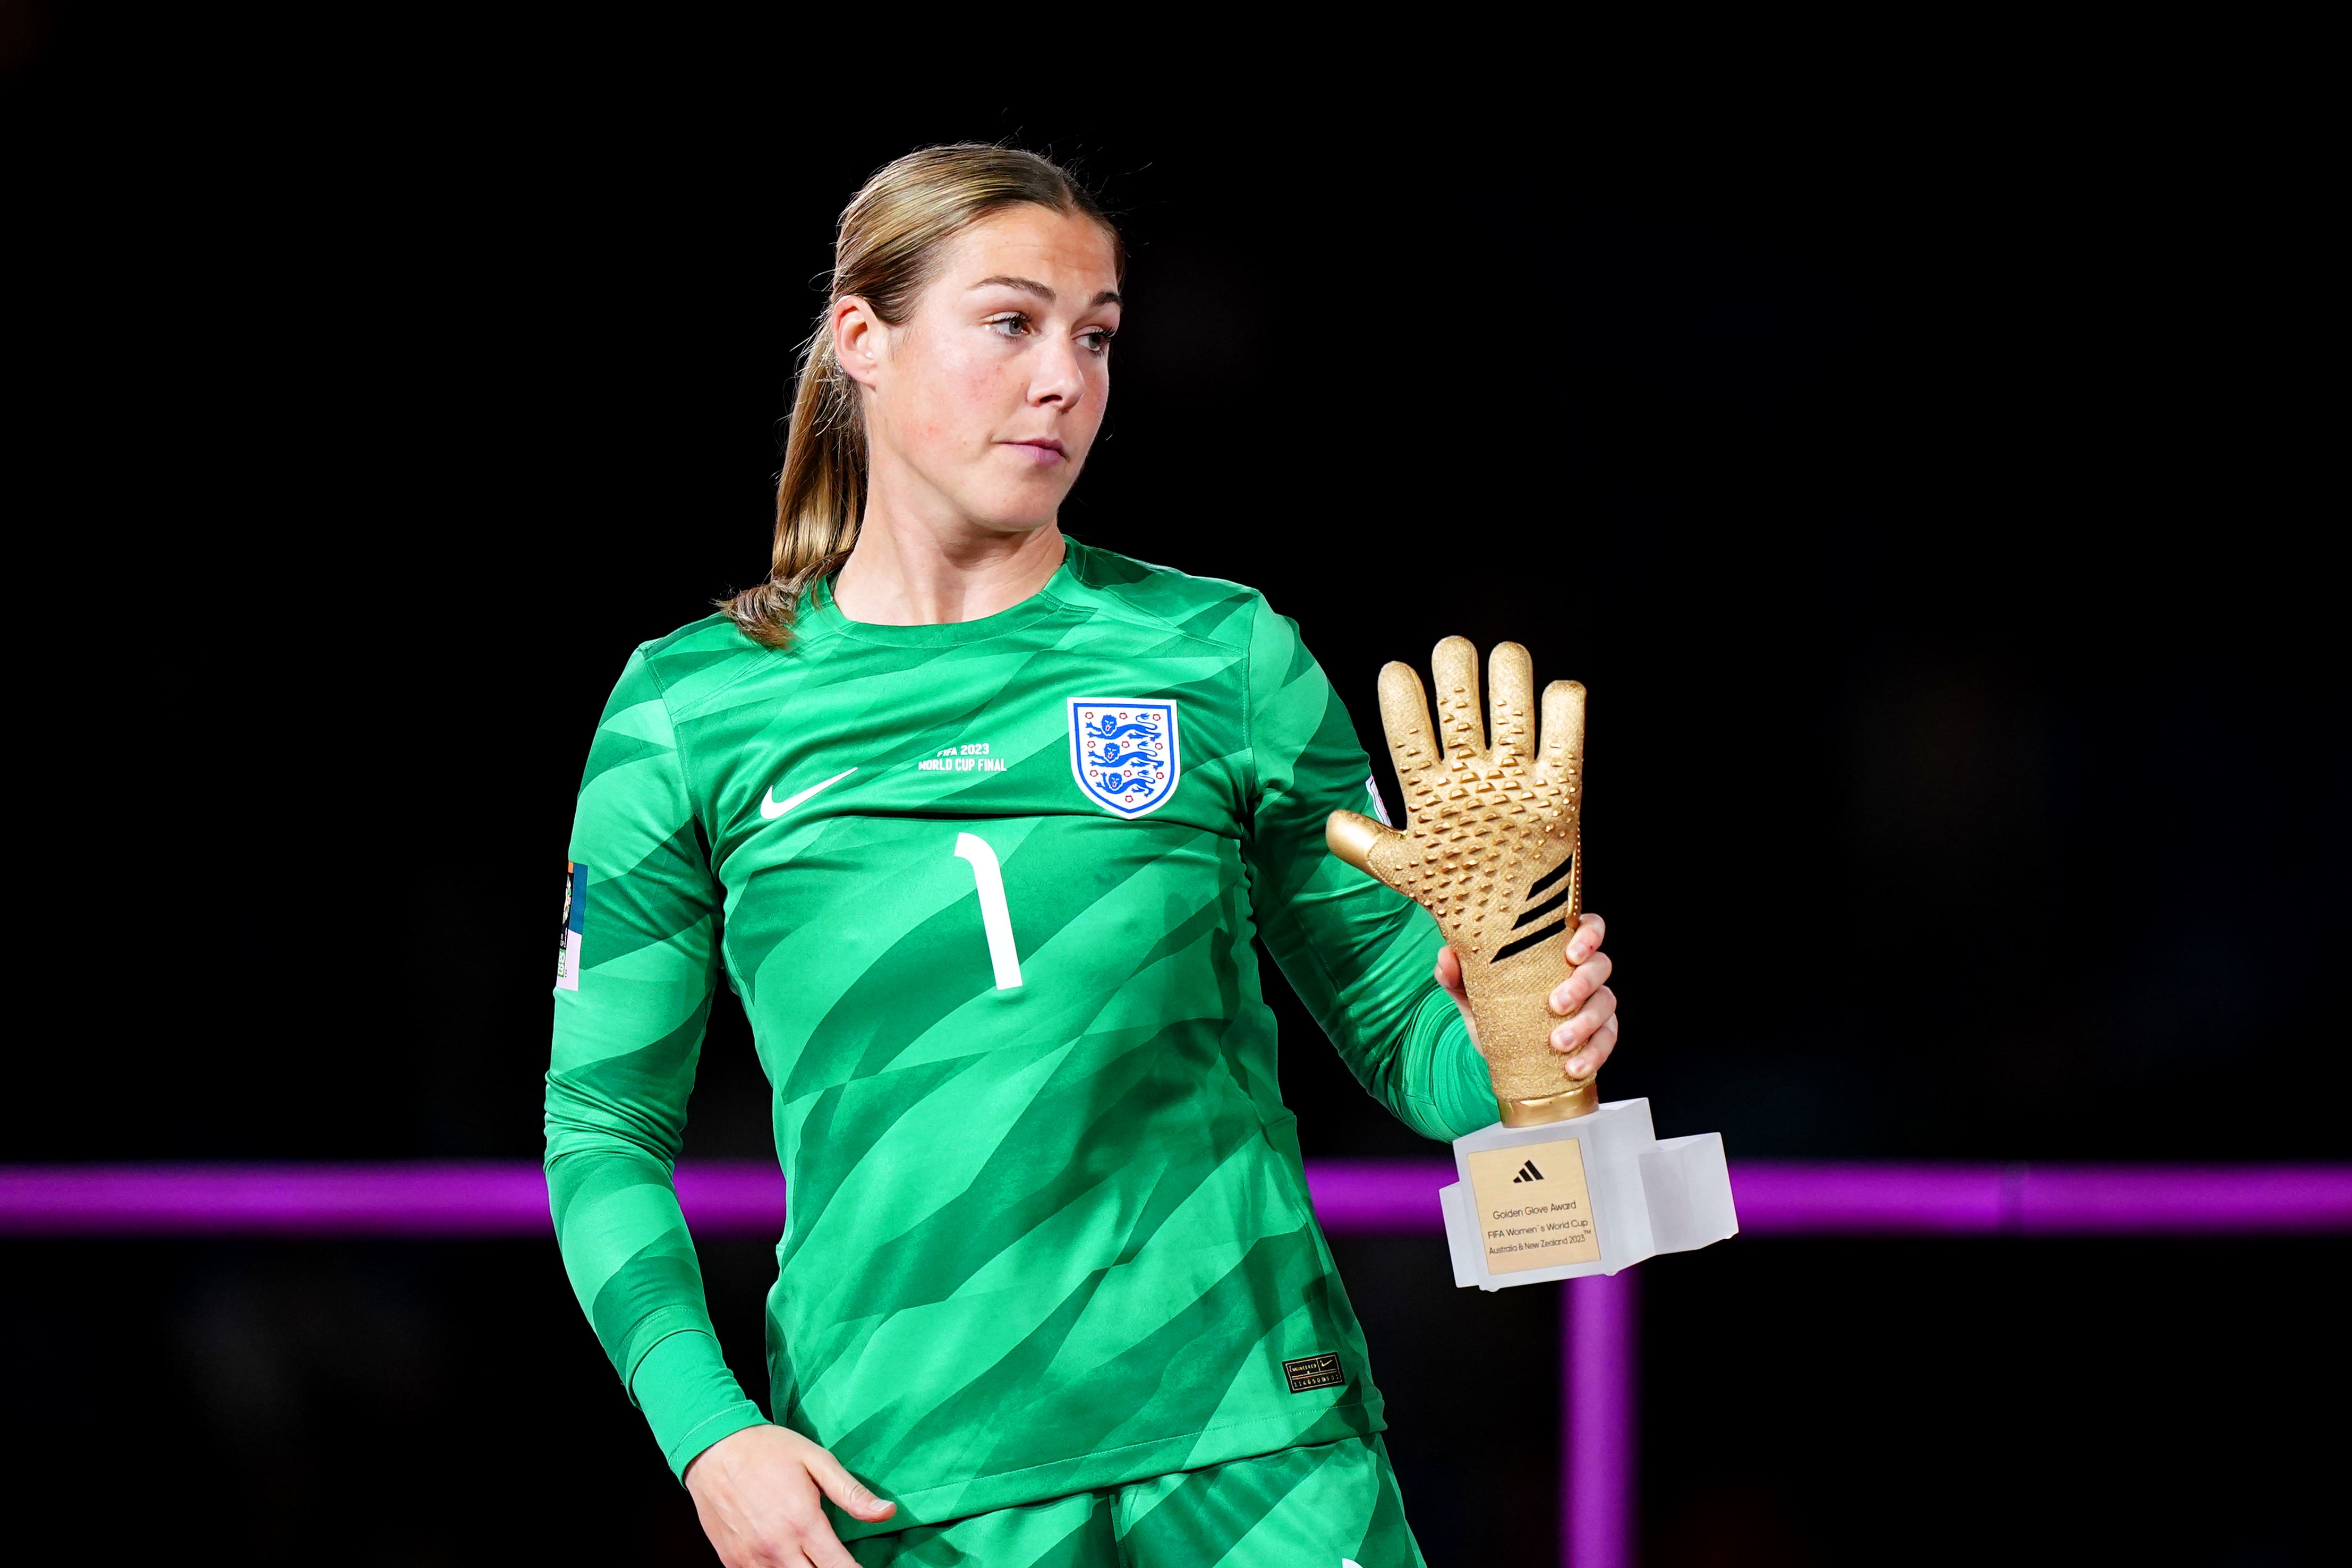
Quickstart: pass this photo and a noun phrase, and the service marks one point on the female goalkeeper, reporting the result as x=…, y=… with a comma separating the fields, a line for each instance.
x=979, y=821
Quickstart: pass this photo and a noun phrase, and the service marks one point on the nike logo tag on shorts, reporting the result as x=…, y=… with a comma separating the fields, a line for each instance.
x=771, y=808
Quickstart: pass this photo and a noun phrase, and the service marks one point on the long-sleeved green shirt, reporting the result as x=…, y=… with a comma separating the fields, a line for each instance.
x=987, y=891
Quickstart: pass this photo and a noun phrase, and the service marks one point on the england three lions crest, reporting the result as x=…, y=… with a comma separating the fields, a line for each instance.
x=1123, y=751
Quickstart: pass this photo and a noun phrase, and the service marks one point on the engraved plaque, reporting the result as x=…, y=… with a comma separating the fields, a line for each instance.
x=1533, y=1209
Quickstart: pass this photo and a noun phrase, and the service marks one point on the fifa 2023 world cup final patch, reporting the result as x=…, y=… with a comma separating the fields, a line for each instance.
x=1310, y=1372
x=575, y=926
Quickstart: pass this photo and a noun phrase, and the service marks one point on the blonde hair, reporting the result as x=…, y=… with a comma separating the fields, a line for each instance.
x=884, y=251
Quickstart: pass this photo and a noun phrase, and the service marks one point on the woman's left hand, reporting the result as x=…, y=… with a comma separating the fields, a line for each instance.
x=1586, y=1006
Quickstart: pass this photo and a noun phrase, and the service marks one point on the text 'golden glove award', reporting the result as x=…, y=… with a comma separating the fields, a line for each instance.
x=1562, y=1184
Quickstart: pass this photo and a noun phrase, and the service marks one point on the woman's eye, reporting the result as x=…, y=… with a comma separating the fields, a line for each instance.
x=1011, y=326
x=1097, y=342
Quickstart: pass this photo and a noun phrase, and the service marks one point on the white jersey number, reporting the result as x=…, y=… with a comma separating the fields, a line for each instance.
x=995, y=917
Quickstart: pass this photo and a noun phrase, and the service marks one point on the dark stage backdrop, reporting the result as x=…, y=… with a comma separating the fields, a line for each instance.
x=1924, y=485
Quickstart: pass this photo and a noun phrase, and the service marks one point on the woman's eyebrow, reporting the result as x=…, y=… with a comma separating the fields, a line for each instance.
x=1030, y=286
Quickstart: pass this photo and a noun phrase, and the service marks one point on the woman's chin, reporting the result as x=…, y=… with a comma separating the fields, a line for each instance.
x=1024, y=510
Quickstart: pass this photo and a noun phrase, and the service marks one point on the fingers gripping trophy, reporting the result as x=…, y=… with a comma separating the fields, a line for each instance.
x=1562, y=1184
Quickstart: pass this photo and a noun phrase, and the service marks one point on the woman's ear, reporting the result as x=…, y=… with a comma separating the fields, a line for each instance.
x=860, y=339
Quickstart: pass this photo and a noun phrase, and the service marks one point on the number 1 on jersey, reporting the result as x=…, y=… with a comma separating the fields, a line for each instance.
x=995, y=916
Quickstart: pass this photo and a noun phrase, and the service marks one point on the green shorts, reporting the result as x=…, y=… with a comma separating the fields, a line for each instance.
x=1332, y=1506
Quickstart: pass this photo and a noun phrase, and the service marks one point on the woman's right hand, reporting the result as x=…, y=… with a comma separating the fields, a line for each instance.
x=758, y=1493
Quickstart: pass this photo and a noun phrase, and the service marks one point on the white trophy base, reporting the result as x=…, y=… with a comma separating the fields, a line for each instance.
x=1590, y=1196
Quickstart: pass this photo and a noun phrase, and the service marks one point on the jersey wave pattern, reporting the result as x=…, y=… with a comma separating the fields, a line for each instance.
x=1048, y=1227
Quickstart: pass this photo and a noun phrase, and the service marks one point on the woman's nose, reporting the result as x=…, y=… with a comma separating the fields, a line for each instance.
x=1059, y=378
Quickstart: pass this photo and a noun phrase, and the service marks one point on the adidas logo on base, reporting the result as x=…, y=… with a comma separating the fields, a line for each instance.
x=1527, y=1172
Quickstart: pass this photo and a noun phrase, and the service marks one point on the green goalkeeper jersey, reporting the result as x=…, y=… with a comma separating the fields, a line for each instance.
x=987, y=892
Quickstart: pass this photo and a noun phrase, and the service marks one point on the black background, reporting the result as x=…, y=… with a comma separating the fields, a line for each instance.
x=1927, y=469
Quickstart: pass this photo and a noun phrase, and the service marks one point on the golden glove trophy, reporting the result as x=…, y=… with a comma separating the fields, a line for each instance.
x=1562, y=1186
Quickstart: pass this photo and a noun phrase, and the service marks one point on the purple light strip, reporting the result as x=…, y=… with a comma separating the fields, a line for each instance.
x=1359, y=1196
x=723, y=1198
x=1600, y=1358
x=746, y=1198
x=2145, y=1200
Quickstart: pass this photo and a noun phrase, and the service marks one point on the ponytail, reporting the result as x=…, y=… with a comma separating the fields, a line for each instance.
x=820, y=495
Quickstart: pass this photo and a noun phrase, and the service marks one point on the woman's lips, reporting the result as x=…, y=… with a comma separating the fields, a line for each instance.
x=1044, y=454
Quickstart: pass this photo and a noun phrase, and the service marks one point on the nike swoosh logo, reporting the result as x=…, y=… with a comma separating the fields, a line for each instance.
x=772, y=808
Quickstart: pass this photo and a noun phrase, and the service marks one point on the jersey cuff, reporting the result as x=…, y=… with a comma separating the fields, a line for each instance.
x=689, y=1398
x=1455, y=1095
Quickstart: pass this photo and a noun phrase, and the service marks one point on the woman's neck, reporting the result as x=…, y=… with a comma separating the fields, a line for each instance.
x=909, y=572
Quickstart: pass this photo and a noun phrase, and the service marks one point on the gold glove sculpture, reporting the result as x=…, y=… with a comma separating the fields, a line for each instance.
x=1490, y=846
x=1491, y=842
